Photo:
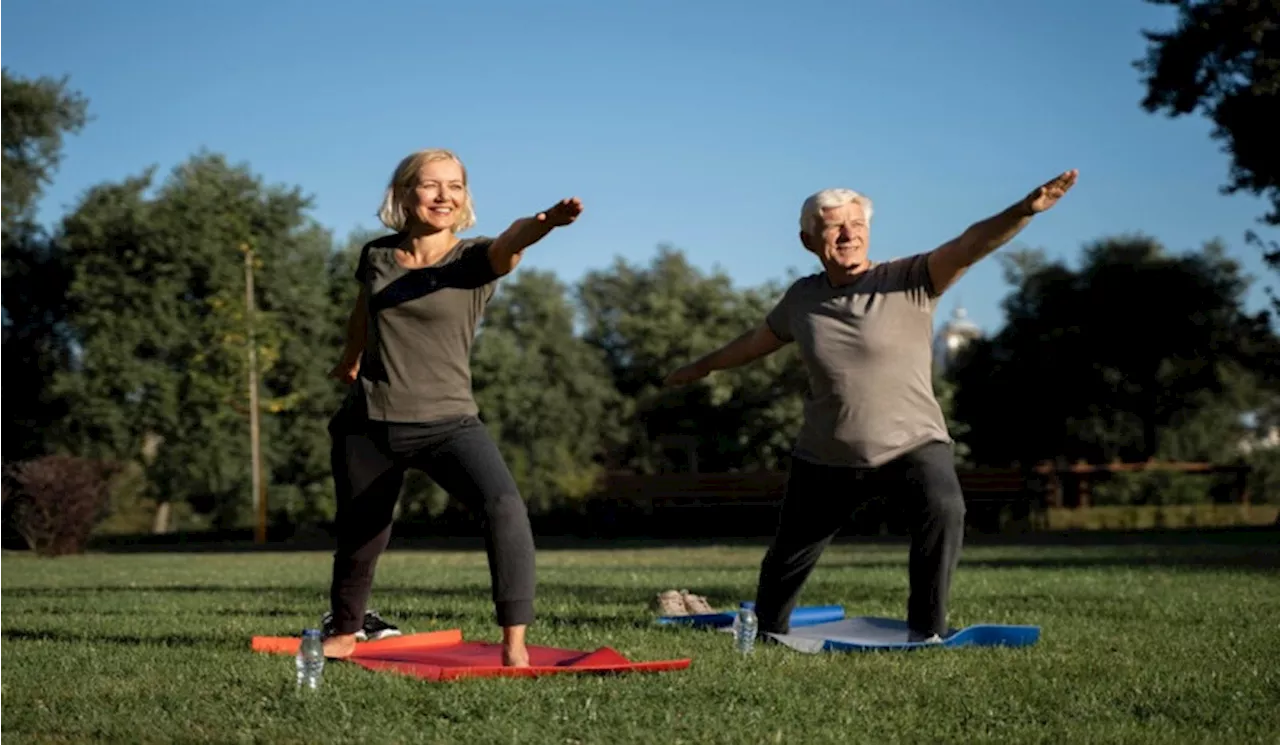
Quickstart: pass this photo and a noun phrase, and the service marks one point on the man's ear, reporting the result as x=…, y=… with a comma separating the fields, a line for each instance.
x=805, y=238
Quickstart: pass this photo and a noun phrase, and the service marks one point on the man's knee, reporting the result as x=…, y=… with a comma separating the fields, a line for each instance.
x=943, y=497
x=949, y=509
x=506, y=507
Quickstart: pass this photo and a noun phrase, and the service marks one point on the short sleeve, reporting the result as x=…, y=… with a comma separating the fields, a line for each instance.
x=918, y=277
x=362, y=264
x=779, y=319
x=910, y=275
x=474, y=268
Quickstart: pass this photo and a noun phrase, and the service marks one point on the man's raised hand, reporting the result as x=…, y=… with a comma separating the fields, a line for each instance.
x=1046, y=195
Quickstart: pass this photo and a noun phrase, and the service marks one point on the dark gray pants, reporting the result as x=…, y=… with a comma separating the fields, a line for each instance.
x=369, y=462
x=820, y=499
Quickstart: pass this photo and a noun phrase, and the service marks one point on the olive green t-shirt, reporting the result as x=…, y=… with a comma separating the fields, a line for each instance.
x=867, y=349
x=416, y=365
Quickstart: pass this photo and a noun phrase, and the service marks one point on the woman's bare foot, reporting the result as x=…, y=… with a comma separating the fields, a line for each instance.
x=514, y=652
x=339, y=646
x=515, y=657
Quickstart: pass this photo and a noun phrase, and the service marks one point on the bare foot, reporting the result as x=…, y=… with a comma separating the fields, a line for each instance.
x=513, y=656
x=339, y=646
x=514, y=652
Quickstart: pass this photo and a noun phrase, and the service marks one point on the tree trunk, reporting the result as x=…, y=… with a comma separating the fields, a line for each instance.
x=161, y=523
x=151, y=443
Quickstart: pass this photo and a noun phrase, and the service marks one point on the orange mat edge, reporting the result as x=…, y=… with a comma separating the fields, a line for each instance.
x=289, y=644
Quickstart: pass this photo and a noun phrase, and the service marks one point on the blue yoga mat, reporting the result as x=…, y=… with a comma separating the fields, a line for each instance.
x=805, y=615
x=868, y=633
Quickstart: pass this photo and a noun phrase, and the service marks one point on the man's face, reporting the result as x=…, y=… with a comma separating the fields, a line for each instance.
x=842, y=237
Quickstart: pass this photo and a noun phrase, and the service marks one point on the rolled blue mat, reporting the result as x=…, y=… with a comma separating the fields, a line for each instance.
x=712, y=620
x=808, y=615
x=805, y=615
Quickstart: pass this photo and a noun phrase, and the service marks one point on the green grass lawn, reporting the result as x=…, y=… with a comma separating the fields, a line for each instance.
x=1142, y=642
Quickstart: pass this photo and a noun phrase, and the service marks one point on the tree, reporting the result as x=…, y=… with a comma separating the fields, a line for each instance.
x=545, y=393
x=37, y=114
x=1135, y=355
x=945, y=391
x=1223, y=59
x=157, y=313
x=648, y=321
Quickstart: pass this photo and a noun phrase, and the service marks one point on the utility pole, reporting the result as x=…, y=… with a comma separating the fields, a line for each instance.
x=255, y=440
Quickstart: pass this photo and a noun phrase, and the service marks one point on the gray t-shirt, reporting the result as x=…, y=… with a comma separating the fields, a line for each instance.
x=867, y=349
x=416, y=366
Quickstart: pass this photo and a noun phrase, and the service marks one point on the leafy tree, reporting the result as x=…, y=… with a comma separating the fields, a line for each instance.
x=157, y=311
x=1223, y=59
x=1135, y=355
x=647, y=321
x=36, y=115
x=544, y=392
x=945, y=391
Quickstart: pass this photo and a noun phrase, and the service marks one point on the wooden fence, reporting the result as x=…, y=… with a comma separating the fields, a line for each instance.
x=746, y=503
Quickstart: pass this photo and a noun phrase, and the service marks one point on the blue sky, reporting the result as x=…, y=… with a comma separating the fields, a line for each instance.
x=699, y=124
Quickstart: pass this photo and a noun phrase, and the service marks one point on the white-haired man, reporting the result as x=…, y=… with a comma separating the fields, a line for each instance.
x=871, y=422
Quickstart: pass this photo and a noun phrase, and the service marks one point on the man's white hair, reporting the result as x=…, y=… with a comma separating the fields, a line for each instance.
x=811, y=212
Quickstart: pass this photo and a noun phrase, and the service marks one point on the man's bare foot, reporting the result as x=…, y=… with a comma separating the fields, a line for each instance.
x=514, y=652
x=339, y=646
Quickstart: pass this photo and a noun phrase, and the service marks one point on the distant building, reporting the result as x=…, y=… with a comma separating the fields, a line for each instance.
x=1267, y=440
x=954, y=335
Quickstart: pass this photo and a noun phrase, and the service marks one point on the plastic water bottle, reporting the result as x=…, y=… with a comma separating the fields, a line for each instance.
x=310, y=659
x=744, y=630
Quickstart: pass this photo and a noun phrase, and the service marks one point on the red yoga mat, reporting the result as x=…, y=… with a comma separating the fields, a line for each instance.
x=443, y=655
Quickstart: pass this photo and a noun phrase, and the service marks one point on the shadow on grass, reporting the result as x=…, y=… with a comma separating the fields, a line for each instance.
x=302, y=593
x=1242, y=549
x=236, y=543
x=133, y=614
x=1257, y=560
x=125, y=640
x=240, y=542
x=549, y=594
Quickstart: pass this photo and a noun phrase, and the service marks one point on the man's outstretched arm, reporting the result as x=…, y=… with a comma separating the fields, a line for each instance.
x=950, y=260
x=752, y=345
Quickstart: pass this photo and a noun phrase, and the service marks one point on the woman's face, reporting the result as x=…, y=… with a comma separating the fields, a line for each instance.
x=441, y=194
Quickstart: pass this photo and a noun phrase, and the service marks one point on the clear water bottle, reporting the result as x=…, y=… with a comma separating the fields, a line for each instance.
x=744, y=630
x=310, y=659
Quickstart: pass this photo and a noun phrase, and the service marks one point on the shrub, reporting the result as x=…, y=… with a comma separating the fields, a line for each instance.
x=55, y=501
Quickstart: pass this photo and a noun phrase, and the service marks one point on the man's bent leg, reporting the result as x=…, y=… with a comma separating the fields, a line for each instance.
x=811, y=516
x=935, y=509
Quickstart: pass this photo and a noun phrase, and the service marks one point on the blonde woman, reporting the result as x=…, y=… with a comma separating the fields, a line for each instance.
x=423, y=290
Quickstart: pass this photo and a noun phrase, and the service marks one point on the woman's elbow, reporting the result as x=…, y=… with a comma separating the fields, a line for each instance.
x=503, y=263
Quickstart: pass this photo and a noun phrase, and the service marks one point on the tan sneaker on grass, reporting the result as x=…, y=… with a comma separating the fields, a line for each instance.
x=696, y=604
x=670, y=603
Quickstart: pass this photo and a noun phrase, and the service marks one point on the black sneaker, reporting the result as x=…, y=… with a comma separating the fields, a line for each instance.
x=327, y=628
x=376, y=628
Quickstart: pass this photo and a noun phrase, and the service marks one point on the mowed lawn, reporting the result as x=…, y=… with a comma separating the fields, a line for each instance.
x=1143, y=641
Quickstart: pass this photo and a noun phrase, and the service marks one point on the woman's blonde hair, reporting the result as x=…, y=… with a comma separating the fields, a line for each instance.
x=394, y=213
